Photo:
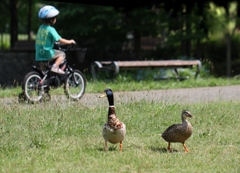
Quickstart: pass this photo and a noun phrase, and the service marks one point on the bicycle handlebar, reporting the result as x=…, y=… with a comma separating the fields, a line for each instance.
x=69, y=46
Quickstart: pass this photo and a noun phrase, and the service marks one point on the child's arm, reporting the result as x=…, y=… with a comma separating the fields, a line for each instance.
x=65, y=41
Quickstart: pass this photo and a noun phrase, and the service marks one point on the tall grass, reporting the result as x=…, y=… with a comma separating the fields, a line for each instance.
x=66, y=137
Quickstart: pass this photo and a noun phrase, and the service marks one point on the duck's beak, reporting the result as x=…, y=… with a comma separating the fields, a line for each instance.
x=191, y=116
x=103, y=95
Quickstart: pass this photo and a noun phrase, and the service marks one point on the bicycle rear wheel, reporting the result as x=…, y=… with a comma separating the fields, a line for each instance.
x=31, y=86
x=75, y=85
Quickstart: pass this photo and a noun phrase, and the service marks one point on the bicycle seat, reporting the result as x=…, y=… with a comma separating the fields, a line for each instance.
x=46, y=63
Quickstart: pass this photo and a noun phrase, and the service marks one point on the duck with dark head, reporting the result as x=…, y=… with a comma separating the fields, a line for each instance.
x=113, y=130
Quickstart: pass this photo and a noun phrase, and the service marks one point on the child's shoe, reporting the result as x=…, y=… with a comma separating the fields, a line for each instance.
x=57, y=70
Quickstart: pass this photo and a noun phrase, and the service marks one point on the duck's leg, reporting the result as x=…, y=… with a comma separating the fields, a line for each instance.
x=185, y=148
x=121, y=146
x=168, y=148
x=105, y=146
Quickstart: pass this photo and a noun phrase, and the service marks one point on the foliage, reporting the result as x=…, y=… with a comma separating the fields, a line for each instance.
x=4, y=20
x=222, y=20
x=184, y=29
x=104, y=28
x=187, y=26
x=23, y=10
x=90, y=24
x=22, y=15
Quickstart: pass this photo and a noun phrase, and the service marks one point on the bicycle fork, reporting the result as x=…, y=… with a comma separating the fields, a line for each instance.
x=74, y=78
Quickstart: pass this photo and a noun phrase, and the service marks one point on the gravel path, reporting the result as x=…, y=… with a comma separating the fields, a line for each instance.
x=188, y=95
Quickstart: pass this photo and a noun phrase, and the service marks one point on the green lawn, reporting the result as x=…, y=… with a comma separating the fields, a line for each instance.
x=125, y=84
x=66, y=137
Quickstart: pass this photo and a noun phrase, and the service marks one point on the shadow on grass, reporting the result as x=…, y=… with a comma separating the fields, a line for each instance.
x=111, y=148
x=162, y=150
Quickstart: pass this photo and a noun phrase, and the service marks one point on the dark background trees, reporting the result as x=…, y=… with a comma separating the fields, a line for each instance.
x=116, y=30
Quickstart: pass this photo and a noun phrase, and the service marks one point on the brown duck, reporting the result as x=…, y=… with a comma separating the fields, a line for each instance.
x=179, y=132
x=113, y=130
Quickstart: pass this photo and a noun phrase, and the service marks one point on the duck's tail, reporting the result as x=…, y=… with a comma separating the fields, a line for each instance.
x=160, y=134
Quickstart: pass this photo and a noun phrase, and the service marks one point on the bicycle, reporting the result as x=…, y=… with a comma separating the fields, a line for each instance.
x=37, y=83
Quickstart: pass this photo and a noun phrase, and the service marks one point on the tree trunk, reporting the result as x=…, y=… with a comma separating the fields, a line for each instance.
x=29, y=19
x=188, y=44
x=228, y=54
x=13, y=23
x=198, y=49
x=188, y=32
x=137, y=44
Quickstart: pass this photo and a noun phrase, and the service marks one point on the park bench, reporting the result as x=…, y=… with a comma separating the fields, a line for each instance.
x=112, y=67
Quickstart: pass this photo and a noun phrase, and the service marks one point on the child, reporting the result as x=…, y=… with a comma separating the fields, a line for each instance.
x=47, y=36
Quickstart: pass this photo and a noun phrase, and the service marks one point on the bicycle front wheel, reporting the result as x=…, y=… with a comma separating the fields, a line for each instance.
x=75, y=85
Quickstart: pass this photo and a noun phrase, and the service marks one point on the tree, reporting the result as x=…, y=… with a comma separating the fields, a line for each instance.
x=13, y=21
x=182, y=25
x=106, y=25
x=96, y=26
x=29, y=24
x=186, y=25
x=224, y=23
x=142, y=21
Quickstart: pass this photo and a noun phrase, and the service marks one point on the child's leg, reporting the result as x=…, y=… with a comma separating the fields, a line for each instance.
x=59, y=56
x=58, y=61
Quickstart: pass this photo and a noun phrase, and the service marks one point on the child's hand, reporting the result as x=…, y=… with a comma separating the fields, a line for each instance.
x=73, y=42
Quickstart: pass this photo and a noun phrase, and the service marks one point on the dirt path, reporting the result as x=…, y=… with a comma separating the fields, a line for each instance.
x=189, y=95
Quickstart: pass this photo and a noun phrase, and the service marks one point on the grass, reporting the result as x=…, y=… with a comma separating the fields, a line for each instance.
x=131, y=85
x=123, y=83
x=66, y=137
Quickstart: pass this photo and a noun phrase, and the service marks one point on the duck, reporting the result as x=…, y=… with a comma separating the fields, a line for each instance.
x=114, y=130
x=179, y=133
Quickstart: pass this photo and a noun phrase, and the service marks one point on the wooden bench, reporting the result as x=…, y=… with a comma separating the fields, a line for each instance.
x=112, y=67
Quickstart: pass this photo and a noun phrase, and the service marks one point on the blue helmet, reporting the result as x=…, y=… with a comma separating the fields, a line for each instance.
x=48, y=12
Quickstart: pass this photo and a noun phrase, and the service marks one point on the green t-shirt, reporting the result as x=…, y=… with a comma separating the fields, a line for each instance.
x=46, y=36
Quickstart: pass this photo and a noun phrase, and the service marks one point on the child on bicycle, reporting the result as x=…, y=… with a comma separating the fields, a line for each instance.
x=47, y=36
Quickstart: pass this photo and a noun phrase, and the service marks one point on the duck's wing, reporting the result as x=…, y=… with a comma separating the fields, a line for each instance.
x=175, y=128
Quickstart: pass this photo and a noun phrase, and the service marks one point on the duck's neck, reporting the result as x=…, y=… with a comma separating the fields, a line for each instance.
x=110, y=100
x=111, y=110
x=184, y=120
